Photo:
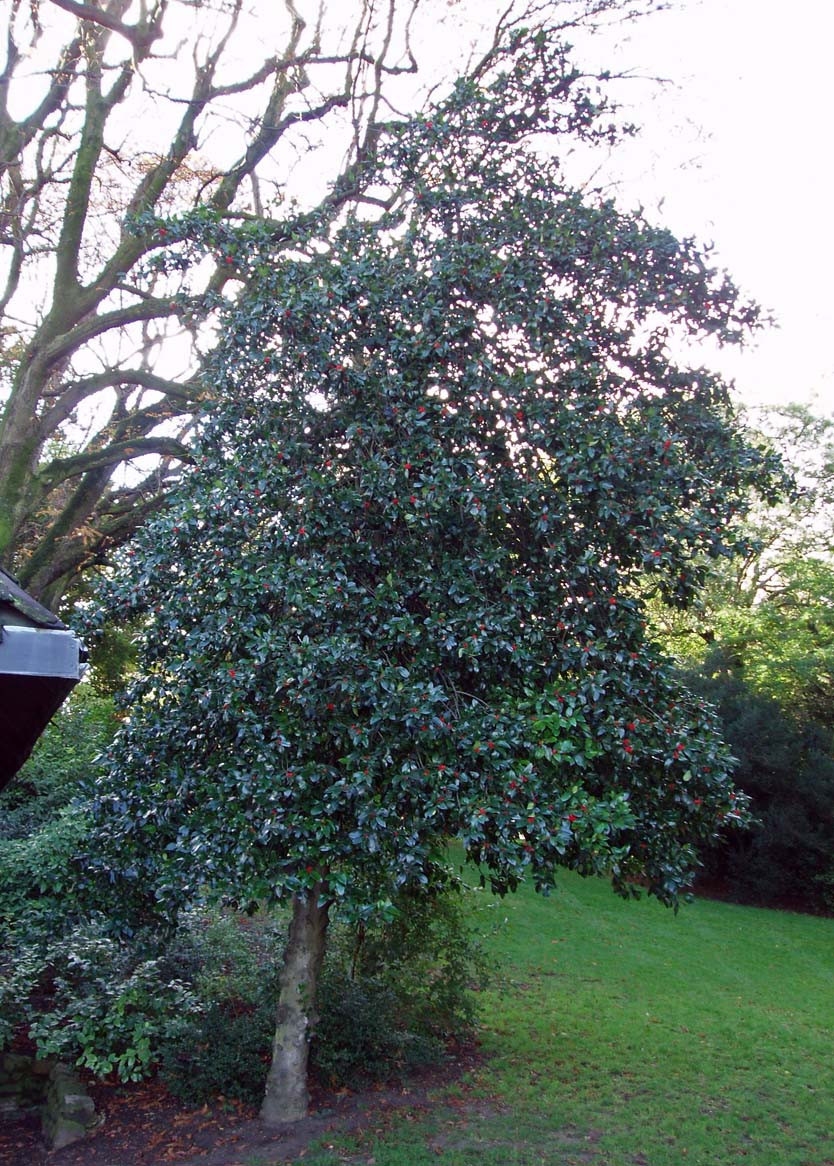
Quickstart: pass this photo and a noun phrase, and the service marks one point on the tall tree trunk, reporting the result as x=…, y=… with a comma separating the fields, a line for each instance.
x=286, y=1097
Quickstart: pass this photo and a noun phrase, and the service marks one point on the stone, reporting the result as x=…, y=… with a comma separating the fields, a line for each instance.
x=69, y=1113
x=15, y=1063
x=79, y=1105
x=64, y=1132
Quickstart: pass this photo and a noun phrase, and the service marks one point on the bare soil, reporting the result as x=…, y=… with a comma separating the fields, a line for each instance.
x=143, y=1125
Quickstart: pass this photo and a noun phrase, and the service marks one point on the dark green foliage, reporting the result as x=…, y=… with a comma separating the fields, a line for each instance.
x=224, y=1048
x=392, y=995
x=222, y=1053
x=442, y=449
x=76, y=991
x=786, y=767
x=200, y=1005
x=112, y=658
x=361, y=1036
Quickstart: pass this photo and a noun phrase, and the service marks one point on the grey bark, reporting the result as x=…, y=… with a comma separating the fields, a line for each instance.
x=286, y=1098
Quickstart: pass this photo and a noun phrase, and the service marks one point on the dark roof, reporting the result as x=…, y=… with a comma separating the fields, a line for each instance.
x=12, y=593
x=33, y=683
x=27, y=705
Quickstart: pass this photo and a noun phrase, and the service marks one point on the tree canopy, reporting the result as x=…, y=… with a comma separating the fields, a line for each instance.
x=113, y=116
x=768, y=613
x=394, y=601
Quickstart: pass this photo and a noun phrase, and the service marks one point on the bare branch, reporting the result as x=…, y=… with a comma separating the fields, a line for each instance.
x=72, y=394
x=60, y=469
x=141, y=36
x=147, y=309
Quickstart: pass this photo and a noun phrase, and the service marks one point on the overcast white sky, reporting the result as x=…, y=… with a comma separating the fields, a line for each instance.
x=739, y=148
x=736, y=149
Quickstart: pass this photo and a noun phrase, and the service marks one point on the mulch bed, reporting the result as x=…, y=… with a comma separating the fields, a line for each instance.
x=142, y=1125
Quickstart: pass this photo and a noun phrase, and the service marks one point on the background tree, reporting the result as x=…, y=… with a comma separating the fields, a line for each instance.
x=394, y=599
x=759, y=643
x=770, y=614
x=113, y=115
x=785, y=764
x=83, y=178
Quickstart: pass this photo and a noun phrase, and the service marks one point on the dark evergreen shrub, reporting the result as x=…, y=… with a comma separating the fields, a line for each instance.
x=787, y=768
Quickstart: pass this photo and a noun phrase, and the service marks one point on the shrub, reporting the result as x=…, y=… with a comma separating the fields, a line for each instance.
x=224, y=1050
x=44, y=824
x=38, y=875
x=392, y=993
x=787, y=769
x=220, y=1054
x=104, y=1003
x=200, y=1006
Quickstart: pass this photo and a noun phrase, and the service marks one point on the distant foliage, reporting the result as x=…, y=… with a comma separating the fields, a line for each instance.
x=787, y=769
x=770, y=612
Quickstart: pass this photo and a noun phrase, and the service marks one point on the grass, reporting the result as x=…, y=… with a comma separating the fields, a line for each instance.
x=621, y=1035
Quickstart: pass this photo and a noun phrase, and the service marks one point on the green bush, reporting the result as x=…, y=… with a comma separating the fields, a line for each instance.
x=786, y=767
x=362, y=1035
x=224, y=1050
x=391, y=995
x=220, y=1054
x=201, y=1006
x=106, y=1004
x=38, y=875
x=44, y=825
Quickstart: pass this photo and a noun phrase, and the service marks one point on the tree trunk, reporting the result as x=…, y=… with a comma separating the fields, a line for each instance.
x=286, y=1096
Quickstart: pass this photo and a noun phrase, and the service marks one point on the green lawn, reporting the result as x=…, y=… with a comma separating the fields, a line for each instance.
x=622, y=1035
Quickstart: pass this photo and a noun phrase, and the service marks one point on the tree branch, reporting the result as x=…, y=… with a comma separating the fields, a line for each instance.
x=70, y=396
x=60, y=469
x=148, y=309
x=141, y=35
